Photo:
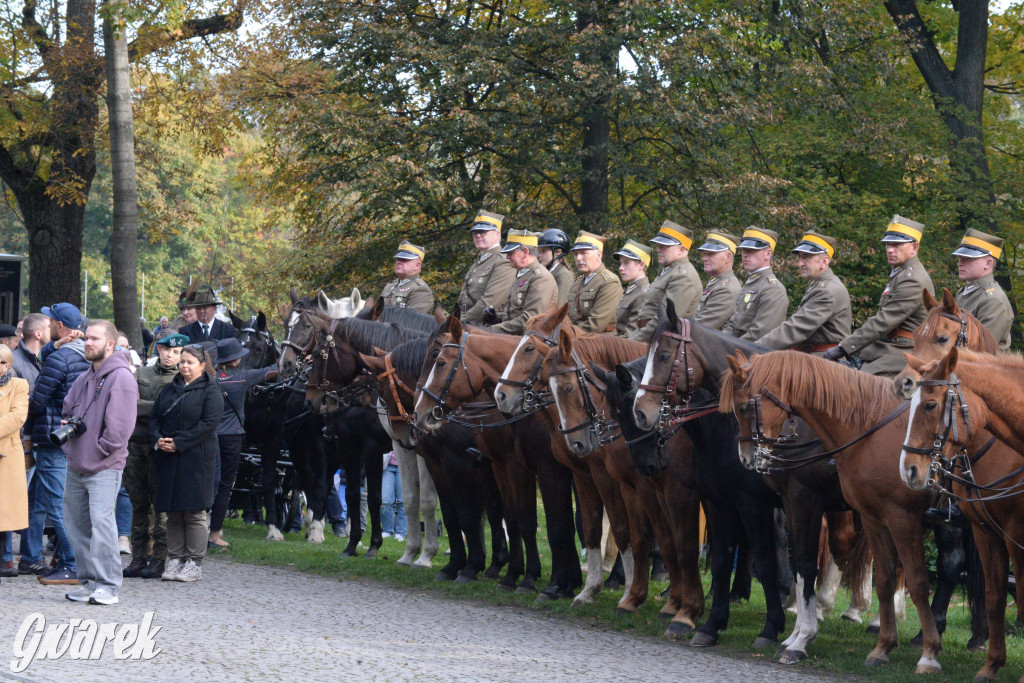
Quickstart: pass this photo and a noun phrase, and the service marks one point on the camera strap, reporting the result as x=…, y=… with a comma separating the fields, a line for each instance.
x=96, y=395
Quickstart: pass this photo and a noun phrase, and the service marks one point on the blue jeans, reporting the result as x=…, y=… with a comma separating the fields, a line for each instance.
x=46, y=499
x=124, y=513
x=7, y=554
x=392, y=509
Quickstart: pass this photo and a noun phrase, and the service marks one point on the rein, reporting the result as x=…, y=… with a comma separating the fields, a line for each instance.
x=606, y=431
x=395, y=383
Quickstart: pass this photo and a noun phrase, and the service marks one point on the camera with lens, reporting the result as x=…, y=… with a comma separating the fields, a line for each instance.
x=75, y=426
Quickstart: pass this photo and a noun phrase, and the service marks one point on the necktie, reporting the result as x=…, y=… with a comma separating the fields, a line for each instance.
x=206, y=332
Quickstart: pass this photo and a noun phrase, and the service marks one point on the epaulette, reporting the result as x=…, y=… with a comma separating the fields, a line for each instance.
x=420, y=281
x=607, y=275
x=484, y=256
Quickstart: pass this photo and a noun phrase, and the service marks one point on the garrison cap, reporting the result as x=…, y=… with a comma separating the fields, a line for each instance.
x=485, y=220
x=634, y=250
x=902, y=229
x=519, y=238
x=173, y=341
x=816, y=243
x=672, y=234
x=408, y=251
x=976, y=244
x=759, y=238
x=719, y=241
x=588, y=240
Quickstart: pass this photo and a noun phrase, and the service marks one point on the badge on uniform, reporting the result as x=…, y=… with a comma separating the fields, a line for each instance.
x=586, y=304
x=746, y=299
x=480, y=280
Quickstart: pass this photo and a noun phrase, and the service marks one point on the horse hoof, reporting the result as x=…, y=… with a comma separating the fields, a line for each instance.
x=975, y=645
x=581, y=600
x=525, y=590
x=624, y=611
x=873, y=629
x=492, y=573
x=854, y=619
x=504, y=587
x=444, y=576
x=762, y=643
x=371, y=553
x=928, y=667
x=543, y=598
x=349, y=552
x=461, y=578
x=665, y=616
x=678, y=629
x=273, y=534
x=873, y=661
x=404, y=562
x=792, y=657
x=660, y=576
x=422, y=564
x=701, y=639
x=981, y=678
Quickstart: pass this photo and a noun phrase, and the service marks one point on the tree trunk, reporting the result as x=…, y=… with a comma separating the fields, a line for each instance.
x=596, y=120
x=124, y=233
x=55, y=248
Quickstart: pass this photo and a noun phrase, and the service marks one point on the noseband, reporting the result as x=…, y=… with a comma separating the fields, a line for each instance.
x=533, y=398
x=606, y=431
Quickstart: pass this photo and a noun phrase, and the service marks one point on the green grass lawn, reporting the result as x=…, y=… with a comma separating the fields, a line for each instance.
x=840, y=648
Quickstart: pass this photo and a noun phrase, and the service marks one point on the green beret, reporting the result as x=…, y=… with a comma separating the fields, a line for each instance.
x=173, y=341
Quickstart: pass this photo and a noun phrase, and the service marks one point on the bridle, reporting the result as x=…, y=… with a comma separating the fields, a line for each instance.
x=270, y=347
x=953, y=406
x=341, y=394
x=961, y=339
x=442, y=408
x=302, y=351
x=395, y=383
x=605, y=431
x=534, y=399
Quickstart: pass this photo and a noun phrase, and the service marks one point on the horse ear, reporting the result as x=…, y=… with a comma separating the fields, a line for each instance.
x=379, y=352
x=673, y=317
x=913, y=362
x=457, y=312
x=261, y=321
x=439, y=316
x=561, y=313
x=284, y=310
x=323, y=300
x=736, y=364
x=378, y=308
x=318, y=322
x=372, y=363
x=624, y=376
x=236, y=321
x=356, y=299
x=949, y=302
x=564, y=346
x=930, y=301
x=948, y=364
x=455, y=328
x=294, y=294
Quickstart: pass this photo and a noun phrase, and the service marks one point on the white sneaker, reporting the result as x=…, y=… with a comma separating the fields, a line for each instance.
x=102, y=596
x=171, y=569
x=80, y=594
x=189, y=572
x=386, y=534
x=399, y=537
x=124, y=545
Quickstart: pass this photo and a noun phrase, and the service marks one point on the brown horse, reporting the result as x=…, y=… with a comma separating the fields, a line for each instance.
x=845, y=408
x=942, y=450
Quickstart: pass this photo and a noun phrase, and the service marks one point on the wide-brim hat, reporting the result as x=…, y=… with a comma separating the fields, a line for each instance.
x=672, y=234
x=759, y=238
x=229, y=349
x=974, y=244
x=815, y=243
x=720, y=241
x=901, y=229
x=408, y=251
x=203, y=297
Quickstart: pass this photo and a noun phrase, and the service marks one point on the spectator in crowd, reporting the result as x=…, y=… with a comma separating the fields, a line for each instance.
x=392, y=509
x=148, y=525
x=147, y=338
x=165, y=324
x=234, y=382
x=103, y=398
x=124, y=345
x=13, y=488
x=207, y=326
x=63, y=361
x=183, y=431
x=9, y=336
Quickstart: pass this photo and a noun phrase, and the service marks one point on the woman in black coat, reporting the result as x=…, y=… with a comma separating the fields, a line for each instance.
x=183, y=431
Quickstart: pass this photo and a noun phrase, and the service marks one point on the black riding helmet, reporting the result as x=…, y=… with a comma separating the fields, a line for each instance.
x=554, y=239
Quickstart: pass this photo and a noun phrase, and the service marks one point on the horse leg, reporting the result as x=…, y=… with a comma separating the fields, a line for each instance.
x=353, y=484
x=723, y=525
x=743, y=577
x=805, y=531
x=317, y=487
x=949, y=566
x=373, y=464
x=638, y=557
x=885, y=582
x=591, y=512
x=449, y=512
x=684, y=515
x=408, y=470
x=428, y=510
x=502, y=512
x=759, y=525
x=268, y=484
x=556, y=494
x=994, y=558
x=975, y=593
x=907, y=535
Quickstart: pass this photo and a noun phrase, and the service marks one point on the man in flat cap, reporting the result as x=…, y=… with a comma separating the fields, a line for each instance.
x=824, y=317
x=882, y=339
x=489, y=276
x=533, y=288
x=678, y=280
x=762, y=303
x=409, y=290
x=634, y=260
x=718, y=301
x=595, y=294
x=981, y=295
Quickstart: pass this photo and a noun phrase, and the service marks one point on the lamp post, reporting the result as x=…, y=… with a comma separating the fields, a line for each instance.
x=85, y=296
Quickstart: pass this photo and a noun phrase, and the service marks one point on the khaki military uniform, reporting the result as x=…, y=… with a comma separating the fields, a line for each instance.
x=593, y=300
x=761, y=306
x=986, y=301
x=486, y=284
x=563, y=278
x=414, y=294
x=532, y=292
x=718, y=301
x=822, y=320
x=677, y=282
x=627, y=315
x=883, y=338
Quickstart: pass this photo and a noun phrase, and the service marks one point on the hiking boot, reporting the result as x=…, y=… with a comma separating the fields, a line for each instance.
x=33, y=568
x=189, y=572
x=103, y=596
x=80, y=594
x=154, y=570
x=8, y=569
x=62, y=577
x=135, y=568
x=171, y=569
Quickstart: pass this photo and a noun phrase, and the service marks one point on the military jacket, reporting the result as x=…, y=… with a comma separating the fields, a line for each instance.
x=486, y=284
x=718, y=301
x=592, y=305
x=761, y=306
x=823, y=317
x=883, y=338
x=532, y=292
x=986, y=301
x=677, y=282
x=628, y=312
x=563, y=278
x=151, y=380
x=413, y=293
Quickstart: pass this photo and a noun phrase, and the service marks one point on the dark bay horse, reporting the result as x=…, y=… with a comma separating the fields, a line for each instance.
x=942, y=450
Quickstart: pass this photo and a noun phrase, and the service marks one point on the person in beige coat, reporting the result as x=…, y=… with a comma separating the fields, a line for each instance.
x=13, y=411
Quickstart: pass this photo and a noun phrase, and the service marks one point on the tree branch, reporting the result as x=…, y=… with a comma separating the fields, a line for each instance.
x=922, y=47
x=194, y=28
x=38, y=34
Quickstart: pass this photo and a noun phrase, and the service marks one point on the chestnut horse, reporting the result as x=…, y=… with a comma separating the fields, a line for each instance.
x=947, y=448
x=857, y=413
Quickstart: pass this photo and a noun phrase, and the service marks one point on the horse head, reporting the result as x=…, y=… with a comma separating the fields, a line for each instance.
x=301, y=323
x=760, y=418
x=577, y=403
x=335, y=366
x=449, y=382
x=522, y=374
x=256, y=337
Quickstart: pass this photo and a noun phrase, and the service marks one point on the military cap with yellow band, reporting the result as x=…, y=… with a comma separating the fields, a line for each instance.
x=635, y=251
x=719, y=241
x=485, y=220
x=408, y=251
x=588, y=240
x=902, y=229
x=672, y=234
x=816, y=243
x=519, y=238
x=976, y=244
x=759, y=238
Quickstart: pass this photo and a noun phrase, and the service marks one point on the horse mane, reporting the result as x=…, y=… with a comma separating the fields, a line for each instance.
x=403, y=317
x=364, y=335
x=408, y=356
x=603, y=347
x=1009, y=360
x=847, y=395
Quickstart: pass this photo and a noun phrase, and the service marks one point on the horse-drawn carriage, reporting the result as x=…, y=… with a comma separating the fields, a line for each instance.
x=247, y=494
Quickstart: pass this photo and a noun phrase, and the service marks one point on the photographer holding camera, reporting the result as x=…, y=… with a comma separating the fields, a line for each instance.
x=99, y=417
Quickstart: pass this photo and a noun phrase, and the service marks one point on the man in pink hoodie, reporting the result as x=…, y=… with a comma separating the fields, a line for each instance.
x=104, y=398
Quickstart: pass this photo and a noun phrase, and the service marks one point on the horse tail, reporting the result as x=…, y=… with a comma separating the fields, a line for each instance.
x=975, y=586
x=858, y=562
x=824, y=551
